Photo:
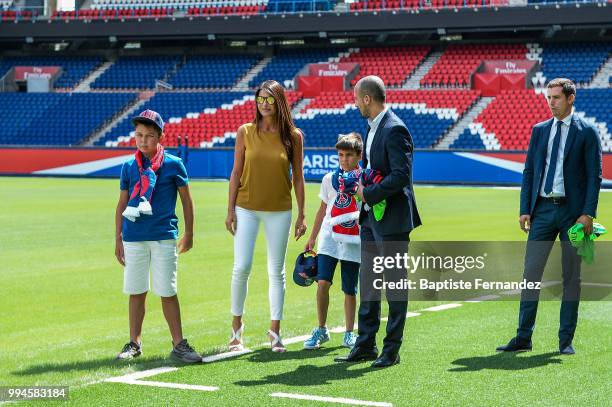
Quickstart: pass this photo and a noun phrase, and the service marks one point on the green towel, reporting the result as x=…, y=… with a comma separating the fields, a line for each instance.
x=378, y=209
x=583, y=243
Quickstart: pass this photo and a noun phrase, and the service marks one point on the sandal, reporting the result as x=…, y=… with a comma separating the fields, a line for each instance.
x=275, y=342
x=236, y=335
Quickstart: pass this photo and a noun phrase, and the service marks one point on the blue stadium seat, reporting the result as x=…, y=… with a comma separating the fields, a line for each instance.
x=322, y=131
x=212, y=71
x=468, y=141
x=578, y=62
x=74, y=69
x=296, y=6
x=56, y=118
x=596, y=103
x=136, y=72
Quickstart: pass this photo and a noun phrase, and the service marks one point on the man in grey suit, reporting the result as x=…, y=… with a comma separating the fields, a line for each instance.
x=388, y=149
x=560, y=188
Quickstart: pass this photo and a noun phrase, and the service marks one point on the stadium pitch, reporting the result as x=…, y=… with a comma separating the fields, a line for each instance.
x=63, y=317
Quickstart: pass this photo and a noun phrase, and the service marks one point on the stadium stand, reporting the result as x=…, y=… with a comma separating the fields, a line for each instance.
x=212, y=71
x=586, y=59
x=510, y=118
x=286, y=64
x=497, y=126
x=392, y=64
x=130, y=72
x=459, y=62
x=173, y=106
x=428, y=113
x=244, y=7
x=416, y=4
x=295, y=6
x=138, y=9
x=74, y=69
x=213, y=126
x=596, y=103
x=210, y=118
x=56, y=118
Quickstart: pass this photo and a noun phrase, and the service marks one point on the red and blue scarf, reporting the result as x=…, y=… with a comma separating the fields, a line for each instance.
x=142, y=194
x=345, y=211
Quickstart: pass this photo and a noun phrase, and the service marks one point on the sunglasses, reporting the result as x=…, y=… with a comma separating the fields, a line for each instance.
x=269, y=100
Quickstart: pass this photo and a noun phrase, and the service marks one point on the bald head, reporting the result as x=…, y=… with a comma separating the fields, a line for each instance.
x=372, y=86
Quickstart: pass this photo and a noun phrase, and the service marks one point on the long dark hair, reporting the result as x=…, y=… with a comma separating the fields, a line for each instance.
x=284, y=122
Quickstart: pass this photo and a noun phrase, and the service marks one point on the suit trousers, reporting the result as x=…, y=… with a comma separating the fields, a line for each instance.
x=374, y=245
x=550, y=220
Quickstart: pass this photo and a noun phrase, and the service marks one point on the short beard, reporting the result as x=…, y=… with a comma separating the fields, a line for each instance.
x=365, y=113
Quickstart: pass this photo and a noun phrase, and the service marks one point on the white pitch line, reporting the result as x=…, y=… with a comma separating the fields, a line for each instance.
x=295, y=339
x=442, y=307
x=484, y=298
x=141, y=375
x=171, y=385
x=596, y=284
x=339, y=400
x=408, y=315
x=225, y=355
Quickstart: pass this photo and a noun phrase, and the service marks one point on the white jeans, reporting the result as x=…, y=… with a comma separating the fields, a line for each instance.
x=276, y=226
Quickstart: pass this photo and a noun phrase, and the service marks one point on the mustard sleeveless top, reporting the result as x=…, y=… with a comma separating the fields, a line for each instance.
x=265, y=184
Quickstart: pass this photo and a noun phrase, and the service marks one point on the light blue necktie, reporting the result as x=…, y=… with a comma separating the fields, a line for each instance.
x=550, y=177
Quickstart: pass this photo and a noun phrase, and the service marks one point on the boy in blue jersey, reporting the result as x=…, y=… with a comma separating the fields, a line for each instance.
x=147, y=230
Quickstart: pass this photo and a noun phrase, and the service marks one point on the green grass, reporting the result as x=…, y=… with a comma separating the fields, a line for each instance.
x=63, y=316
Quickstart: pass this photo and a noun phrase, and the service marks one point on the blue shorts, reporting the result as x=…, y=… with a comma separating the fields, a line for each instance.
x=326, y=265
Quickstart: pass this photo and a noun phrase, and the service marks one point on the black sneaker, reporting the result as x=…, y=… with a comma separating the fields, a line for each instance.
x=131, y=350
x=183, y=352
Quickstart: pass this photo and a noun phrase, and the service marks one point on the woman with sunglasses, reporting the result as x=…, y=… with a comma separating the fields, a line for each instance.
x=267, y=151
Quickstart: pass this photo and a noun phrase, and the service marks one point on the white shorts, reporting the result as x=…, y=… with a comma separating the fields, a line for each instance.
x=158, y=256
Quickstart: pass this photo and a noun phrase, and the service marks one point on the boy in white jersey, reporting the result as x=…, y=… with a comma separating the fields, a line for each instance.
x=338, y=240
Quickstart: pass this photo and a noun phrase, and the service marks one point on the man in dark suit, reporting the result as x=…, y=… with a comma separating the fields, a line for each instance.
x=388, y=149
x=560, y=188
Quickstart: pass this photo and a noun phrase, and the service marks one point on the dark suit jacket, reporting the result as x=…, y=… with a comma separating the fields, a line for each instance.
x=391, y=154
x=581, y=167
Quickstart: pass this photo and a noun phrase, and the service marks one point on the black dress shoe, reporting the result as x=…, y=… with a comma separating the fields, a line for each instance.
x=358, y=354
x=516, y=344
x=567, y=350
x=386, y=360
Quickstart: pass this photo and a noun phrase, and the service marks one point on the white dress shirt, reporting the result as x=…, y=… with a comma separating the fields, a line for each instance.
x=373, y=123
x=558, y=189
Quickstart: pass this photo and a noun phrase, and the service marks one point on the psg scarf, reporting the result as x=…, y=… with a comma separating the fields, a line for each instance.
x=142, y=194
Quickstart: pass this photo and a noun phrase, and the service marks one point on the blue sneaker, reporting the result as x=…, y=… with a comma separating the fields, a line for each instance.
x=349, y=340
x=319, y=336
